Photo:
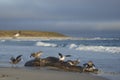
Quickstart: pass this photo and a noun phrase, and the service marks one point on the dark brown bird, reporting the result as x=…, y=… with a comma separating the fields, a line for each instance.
x=15, y=60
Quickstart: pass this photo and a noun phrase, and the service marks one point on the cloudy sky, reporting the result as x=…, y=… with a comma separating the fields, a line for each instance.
x=59, y=15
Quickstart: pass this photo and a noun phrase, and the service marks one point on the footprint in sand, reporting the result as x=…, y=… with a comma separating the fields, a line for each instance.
x=3, y=75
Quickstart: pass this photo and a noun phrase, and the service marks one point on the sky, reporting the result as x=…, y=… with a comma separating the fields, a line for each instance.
x=60, y=15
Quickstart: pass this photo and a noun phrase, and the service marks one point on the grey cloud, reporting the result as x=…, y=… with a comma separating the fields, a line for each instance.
x=61, y=9
x=58, y=14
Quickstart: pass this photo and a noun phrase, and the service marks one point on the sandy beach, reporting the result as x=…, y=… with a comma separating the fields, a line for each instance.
x=43, y=74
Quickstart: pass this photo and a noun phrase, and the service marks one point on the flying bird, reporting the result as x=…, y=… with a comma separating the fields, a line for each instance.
x=15, y=60
x=62, y=57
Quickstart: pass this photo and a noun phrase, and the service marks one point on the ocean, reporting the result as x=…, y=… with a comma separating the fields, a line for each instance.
x=103, y=51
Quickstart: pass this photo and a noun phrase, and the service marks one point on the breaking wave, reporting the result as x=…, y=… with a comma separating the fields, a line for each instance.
x=46, y=44
x=109, y=49
x=79, y=45
x=95, y=38
x=72, y=46
x=2, y=40
x=95, y=48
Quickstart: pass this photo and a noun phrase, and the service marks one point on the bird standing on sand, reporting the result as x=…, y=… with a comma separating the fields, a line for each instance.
x=36, y=55
x=62, y=57
x=15, y=60
x=89, y=66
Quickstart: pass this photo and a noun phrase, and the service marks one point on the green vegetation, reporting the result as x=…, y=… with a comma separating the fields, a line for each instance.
x=28, y=33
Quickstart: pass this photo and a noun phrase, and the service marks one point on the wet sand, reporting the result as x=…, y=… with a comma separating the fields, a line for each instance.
x=43, y=74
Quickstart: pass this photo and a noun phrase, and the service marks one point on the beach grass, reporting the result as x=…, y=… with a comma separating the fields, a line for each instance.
x=30, y=33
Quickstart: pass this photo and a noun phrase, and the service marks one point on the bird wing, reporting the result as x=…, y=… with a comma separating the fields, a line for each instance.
x=40, y=52
x=12, y=58
x=60, y=55
x=32, y=54
x=18, y=57
x=67, y=55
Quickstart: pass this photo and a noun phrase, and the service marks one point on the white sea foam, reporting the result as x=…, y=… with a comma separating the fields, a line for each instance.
x=99, y=38
x=95, y=38
x=45, y=44
x=99, y=49
x=73, y=46
x=2, y=40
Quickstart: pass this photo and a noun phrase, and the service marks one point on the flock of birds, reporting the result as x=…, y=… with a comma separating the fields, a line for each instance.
x=88, y=66
x=36, y=55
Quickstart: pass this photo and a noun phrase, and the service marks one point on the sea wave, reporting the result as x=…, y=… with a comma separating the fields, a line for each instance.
x=45, y=44
x=109, y=49
x=2, y=40
x=94, y=38
x=72, y=46
x=99, y=38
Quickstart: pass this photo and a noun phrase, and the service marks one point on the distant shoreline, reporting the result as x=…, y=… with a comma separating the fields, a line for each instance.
x=55, y=38
x=28, y=33
x=44, y=38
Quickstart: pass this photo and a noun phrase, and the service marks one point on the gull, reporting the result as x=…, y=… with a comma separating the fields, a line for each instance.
x=17, y=34
x=89, y=66
x=15, y=60
x=62, y=57
x=36, y=55
x=73, y=63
